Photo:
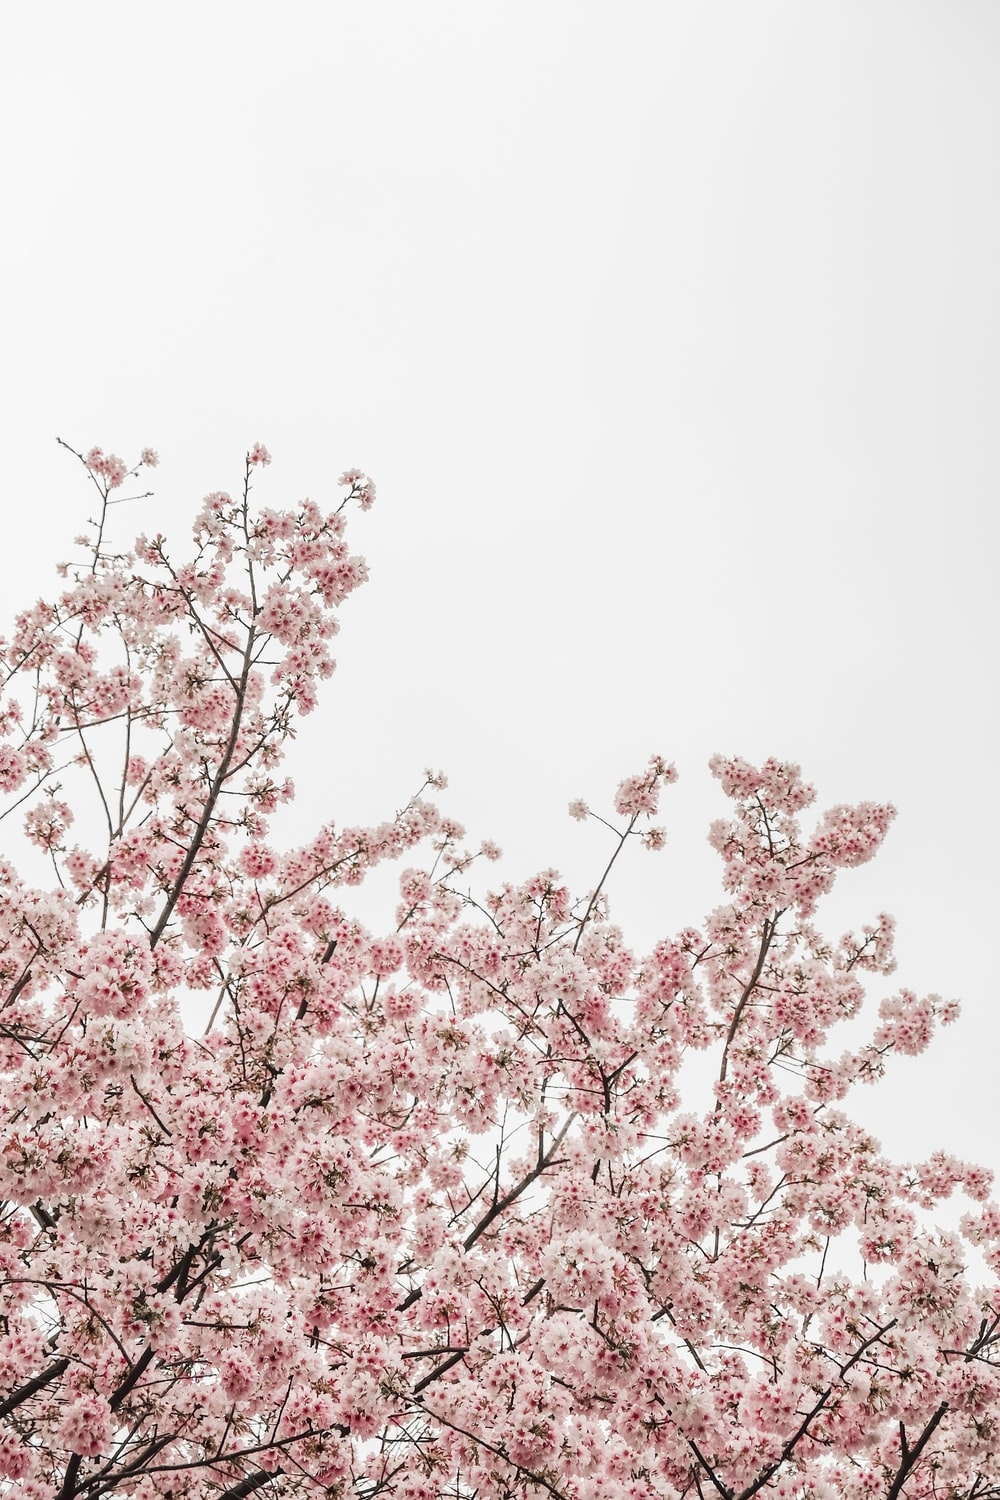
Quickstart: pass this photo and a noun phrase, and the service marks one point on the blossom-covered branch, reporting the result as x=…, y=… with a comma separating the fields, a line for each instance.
x=425, y=1211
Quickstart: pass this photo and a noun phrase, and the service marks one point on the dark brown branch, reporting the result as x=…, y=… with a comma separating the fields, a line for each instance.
x=909, y=1456
x=813, y=1412
x=32, y=1387
x=770, y=927
x=252, y=1482
x=498, y=1207
x=133, y=1377
x=214, y=792
x=69, y=1480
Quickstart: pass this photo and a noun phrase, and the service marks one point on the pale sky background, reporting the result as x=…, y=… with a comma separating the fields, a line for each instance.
x=670, y=335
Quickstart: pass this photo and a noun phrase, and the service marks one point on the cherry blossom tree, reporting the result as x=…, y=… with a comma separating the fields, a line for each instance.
x=422, y=1212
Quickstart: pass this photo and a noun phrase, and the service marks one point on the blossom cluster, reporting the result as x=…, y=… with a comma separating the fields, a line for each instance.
x=429, y=1211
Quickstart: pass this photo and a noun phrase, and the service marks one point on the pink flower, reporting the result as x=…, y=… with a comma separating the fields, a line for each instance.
x=16, y=1458
x=109, y=466
x=278, y=1185
x=85, y=1427
x=361, y=485
x=13, y=769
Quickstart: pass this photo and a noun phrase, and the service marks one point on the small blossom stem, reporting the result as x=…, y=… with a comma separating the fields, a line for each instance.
x=595, y=895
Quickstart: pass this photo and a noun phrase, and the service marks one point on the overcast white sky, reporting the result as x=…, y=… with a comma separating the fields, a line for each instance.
x=670, y=335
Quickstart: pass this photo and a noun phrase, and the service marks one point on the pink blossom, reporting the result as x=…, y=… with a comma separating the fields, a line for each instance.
x=109, y=466
x=85, y=1427
x=453, y=1194
x=360, y=485
x=13, y=769
x=16, y=1458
